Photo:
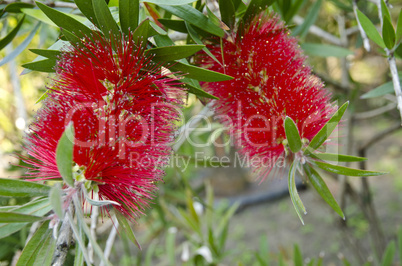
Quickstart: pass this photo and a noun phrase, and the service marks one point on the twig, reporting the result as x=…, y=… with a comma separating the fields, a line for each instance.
x=375, y=112
x=110, y=239
x=63, y=241
x=395, y=80
x=186, y=129
x=319, y=32
x=366, y=42
x=380, y=136
x=94, y=222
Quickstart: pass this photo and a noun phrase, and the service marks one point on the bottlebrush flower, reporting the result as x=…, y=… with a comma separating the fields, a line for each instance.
x=123, y=111
x=271, y=81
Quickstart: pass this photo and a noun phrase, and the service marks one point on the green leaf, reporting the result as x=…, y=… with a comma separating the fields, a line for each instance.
x=292, y=135
x=170, y=53
x=142, y=33
x=65, y=21
x=127, y=229
x=169, y=2
x=64, y=155
x=370, y=29
x=194, y=36
x=20, y=47
x=399, y=27
x=198, y=92
x=254, y=7
x=322, y=189
x=16, y=7
x=198, y=73
x=309, y=20
x=19, y=188
x=294, y=9
x=294, y=196
x=389, y=253
x=384, y=89
x=336, y=157
x=385, y=11
x=174, y=24
x=325, y=50
x=46, y=65
x=37, y=207
x=85, y=6
x=388, y=33
x=38, y=15
x=342, y=170
x=40, y=248
x=105, y=19
x=297, y=256
x=14, y=217
x=56, y=200
x=326, y=130
x=228, y=12
x=129, y=13
x=194, y=17
x=10, y=36
x=69, y=36
x=51, y=54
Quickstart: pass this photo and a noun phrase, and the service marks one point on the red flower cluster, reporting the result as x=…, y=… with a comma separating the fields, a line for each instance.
x=271, y=81
x=123, y=110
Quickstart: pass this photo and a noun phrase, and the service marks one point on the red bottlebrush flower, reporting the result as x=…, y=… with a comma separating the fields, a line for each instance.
x=123, y=110
x=271, y=81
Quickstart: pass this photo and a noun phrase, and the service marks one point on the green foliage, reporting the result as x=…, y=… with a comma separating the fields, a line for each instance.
x=294, y=196
x=39, y=250
x=19, y=188
x=10, y=36
x=310, y=19
x=64, y=155
x=325, y=50
x=129, y=15
x=370, y=29
x=292, y=135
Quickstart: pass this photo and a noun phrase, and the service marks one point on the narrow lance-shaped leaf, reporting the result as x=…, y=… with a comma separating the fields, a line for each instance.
x=10, y=36
x=85, y=6
x=65, y=21
x=14, y=217
x=294, y=196
x=322, y=189
x=385, y=11
x=105, y=19
x=16, y=7
x=336, y=157
x=19, y=188
x=46, y=65
x=297, y=256
x=198, y=73
x=342, y=170
x=56, y=200
x=194, y=17
x=228, y=12
x=399, y=27
x=39, y=249
x=292, y=135
x=127, y=229
x=326, y=130
x=129, y=13
x=171, y=53
x=142, y=32
x=309, y=20
x=198, y=92
x=389, y=253
x=64, y=155
x=51, y=54
x=20, y=47
x=370, y=29
x=388, y=33
x=254, y=7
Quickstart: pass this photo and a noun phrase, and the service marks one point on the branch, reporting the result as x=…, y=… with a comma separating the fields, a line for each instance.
x=380, y=136
x=319, y=32
x=63, y=242
x=366, y=42
x=110, y=239
x=375, y=112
